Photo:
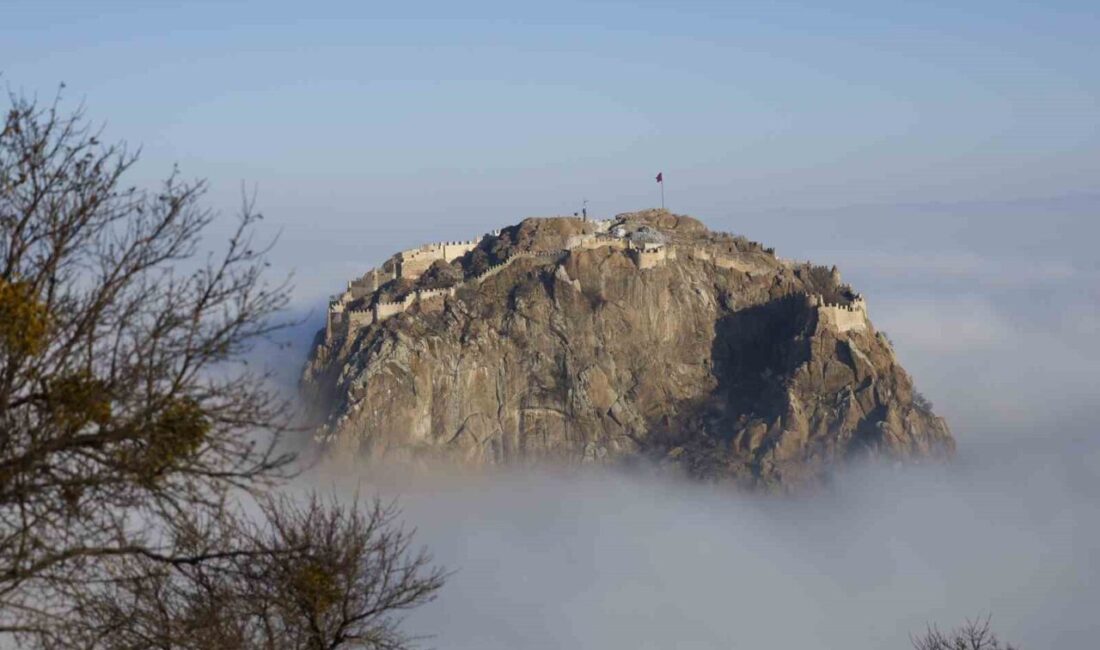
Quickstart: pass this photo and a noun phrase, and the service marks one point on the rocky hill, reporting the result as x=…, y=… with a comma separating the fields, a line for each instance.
x=642, y=338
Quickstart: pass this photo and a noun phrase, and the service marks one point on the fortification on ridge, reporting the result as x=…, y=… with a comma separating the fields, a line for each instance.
x=647, y=246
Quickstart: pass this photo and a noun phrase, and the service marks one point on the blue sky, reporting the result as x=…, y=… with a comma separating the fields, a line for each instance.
x=413, y=108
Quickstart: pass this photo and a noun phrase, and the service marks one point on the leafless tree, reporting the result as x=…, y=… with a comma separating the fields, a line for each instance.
x=128, y=422
x=974, y=635
x=313, y=576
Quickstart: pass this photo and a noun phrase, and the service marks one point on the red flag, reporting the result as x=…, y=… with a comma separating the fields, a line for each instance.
x=660, y=177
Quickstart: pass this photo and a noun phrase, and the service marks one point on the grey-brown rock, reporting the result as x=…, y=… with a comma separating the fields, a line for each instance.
x=645, y=338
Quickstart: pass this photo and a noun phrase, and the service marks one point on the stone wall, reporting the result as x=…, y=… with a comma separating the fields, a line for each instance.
x=341, y=321
x=368, y=283
x=843, y=318
x=599, y=239
x=428, y=299
x=649, y=255
x=383, y=310
x=358, y=318
x=335, y=320
x=413, y=262
x=432, y=300
x=497, y=268
x=723, y=259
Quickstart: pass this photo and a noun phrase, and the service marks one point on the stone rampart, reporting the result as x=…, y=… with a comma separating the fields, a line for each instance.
x=367, y=283
x=841, y=317
x=432, y=300
x=426, y=294
x=648, y=254
x=358, y=318
x=724, y=262
x=592, y=240
x=599, y=240
x=497, y=268
x=335, y=320
x=493, y=270
x=578, y=241
x=413, y=262
x=383, y=310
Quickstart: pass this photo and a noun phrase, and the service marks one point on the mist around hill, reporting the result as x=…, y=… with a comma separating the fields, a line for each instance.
x=549, y=560
x=996, y=319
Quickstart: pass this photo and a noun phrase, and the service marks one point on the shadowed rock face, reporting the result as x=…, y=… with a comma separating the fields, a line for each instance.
x=720, y=360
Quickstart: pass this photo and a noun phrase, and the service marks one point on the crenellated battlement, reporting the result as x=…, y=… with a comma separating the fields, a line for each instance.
x=648, y=255
x=413, y=262
x=726, y=258
x=648, y=251
x=842, y=317
x=426, y=294
x=521, y=255
x=370, y=281
x=383, y=310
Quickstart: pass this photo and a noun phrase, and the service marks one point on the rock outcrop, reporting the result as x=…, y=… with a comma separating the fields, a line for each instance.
x=642, y=338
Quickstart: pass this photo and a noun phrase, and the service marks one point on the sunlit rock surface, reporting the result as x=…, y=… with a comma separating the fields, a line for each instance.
x=644, y=338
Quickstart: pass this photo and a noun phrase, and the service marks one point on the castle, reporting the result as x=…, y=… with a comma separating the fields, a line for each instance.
x=648, y=251
x=842, y=318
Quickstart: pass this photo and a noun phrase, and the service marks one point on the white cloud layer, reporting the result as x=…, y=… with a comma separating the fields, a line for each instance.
x=585, y=560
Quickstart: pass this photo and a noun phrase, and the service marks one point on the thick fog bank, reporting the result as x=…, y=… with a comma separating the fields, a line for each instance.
x=587, y=560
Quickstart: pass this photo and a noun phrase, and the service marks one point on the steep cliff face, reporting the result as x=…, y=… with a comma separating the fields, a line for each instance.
x=645, y=338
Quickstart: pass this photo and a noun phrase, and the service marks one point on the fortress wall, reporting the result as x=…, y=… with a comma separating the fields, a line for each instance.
x=366, y=284
x=359, y=318
x=454, y=250
x=586, y=240
x=700, y=253
x=414, y=262
x=721, y=259
x=497, y=268
x=410, y=264
x=341, y=322
x=413, y=268
x=575, y=241
x=384, y=310
x=599, y=240
x=844, y=318
x=553, y=253
x=725, y=262
x=333, y=323
x=432, y=300
x=425, y=294
x=648, y=257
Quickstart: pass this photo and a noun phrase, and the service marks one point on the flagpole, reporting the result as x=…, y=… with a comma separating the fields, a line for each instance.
x=662, y=192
